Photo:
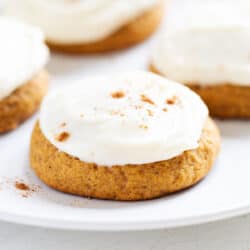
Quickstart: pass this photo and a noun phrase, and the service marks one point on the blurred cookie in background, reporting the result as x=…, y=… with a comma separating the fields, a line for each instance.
x=23, y=80
x=80, y=26
x=206, y=45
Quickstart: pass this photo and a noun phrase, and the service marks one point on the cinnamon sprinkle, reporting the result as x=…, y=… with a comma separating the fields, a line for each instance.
x=22, y=186
x=25, y=189
x=165, y=110
x=172, y=100
x=62, y=136
x=147, y=99
x=118, y=94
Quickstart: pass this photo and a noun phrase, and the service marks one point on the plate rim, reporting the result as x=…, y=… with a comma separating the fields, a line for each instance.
x=60, y=224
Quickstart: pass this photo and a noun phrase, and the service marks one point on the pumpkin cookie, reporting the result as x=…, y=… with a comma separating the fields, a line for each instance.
x=224, y=100
x=96, y=27
x=121, y=140
x=210, y=54
x=23, y=102
x=23, y=82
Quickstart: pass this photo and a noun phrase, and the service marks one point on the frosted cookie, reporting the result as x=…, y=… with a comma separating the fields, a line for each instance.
x=133, y=136
x=90, y=26
x=23, y=81
x=208, y=49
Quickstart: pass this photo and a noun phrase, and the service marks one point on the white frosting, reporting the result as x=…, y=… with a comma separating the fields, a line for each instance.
x=128, y=130
x=206, y=42
x=22, y=54
x=78, y=21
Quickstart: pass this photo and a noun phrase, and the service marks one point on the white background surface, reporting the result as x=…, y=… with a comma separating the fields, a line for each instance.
x=228, y=235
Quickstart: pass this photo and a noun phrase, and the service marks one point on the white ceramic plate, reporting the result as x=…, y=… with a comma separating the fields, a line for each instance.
x=224, y=193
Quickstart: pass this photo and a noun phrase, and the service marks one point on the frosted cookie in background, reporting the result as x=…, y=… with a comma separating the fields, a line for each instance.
x=90, y=26
x=130, y=136
x=206, y=45
x=23, y=80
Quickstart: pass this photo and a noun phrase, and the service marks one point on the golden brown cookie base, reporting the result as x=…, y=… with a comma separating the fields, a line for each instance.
x=23, y=102
x=223, y=100
x=133, y=33
x=130, y=182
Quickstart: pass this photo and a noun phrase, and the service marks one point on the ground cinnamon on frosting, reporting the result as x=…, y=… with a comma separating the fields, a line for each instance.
x=147, y=99
x=172, y=100
x=118, y=94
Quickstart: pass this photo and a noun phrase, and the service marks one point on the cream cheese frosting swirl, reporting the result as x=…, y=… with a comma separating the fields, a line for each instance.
x=78, y=21
x=130, y=118
x=22, y=54
x=206, y=43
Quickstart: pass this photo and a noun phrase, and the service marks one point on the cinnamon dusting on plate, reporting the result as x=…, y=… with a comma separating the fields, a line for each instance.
x=21, y=186
x=25, y=190
x=62, y=136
